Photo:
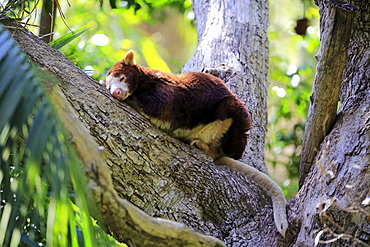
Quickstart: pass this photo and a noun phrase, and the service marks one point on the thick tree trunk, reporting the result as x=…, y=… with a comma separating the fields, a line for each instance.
x=162, y=175
x=232, y=44
x=332, y=207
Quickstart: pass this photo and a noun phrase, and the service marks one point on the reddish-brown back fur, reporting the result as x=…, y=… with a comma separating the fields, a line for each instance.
x=186, y=101
x=199, y=109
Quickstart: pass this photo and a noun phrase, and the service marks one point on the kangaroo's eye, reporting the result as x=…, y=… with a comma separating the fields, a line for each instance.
x=122, y=78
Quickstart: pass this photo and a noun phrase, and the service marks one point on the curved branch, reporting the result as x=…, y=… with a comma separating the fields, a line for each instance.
x=122, y=218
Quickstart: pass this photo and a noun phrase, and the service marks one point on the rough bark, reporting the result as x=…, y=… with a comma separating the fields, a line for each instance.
x=232, y=44
x=336, y=22
x=127, y=219
x=332, y=207
x=157, y=173
x=333, y=198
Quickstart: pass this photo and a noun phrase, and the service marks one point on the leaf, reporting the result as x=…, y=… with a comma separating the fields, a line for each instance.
x=38, y=164
x=64, y=40
x=28, y=241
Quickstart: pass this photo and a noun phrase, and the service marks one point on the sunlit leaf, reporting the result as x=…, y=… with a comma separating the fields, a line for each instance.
x=64, y=40
x=38, y=164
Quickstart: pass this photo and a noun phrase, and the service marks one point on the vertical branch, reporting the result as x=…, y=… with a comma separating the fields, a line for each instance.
x=336, y=24
x=47, y=21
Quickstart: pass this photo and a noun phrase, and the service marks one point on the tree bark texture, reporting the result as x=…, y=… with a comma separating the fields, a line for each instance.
x=232, y=44
x=157, y=173
x=336, y=22
x=124, y=220
x=332, y=207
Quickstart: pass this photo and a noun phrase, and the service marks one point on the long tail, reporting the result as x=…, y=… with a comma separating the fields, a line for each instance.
x=272, y=188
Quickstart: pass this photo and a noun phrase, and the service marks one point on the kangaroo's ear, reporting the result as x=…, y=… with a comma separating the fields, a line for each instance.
x=129, y=58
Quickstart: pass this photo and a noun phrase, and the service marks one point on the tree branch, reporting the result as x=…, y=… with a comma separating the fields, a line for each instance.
x=121, y=217
x=155, y=172
x=335, y=28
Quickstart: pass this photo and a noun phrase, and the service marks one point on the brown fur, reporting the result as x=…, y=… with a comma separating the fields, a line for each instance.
x=186, y=101
x=199, y=109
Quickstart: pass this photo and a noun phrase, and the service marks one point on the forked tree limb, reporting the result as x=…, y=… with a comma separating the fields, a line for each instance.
x=336, y=22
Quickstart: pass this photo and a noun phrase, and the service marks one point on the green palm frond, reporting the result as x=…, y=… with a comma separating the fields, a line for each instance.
x=17, y=10
x=39, y=167
x=65, y=39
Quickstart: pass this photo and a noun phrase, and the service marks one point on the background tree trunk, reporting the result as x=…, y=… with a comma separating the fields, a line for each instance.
x=232, y=44
x=329, y=71
x=332, y=207
x=47, y=20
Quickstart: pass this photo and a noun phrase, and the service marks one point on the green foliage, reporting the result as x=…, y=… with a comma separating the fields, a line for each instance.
x=39, y=171
x=151, y=7
x=15, y=8
x=115, y=31
x=69, y=37
x=21, y=11
x=292, y=66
